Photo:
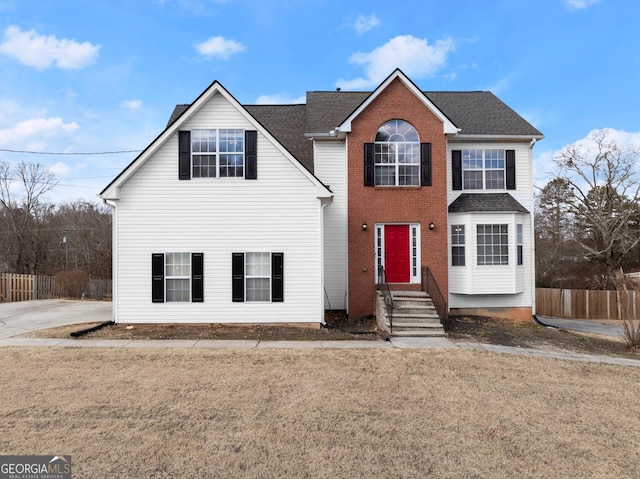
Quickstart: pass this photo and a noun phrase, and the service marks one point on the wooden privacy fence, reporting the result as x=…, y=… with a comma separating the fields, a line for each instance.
x=25, y=287
x=586, y=304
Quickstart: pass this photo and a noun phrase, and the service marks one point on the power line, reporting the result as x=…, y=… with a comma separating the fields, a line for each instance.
x=69, y=154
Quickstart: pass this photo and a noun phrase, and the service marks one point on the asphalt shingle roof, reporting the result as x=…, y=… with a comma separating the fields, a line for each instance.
x=490, y=202
x=475, y=113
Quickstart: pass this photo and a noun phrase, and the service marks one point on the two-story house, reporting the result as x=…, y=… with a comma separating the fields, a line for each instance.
x=274, y=213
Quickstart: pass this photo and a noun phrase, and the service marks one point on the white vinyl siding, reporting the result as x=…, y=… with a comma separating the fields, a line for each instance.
x=330, y=166
x=474, y=286
x=280, y=211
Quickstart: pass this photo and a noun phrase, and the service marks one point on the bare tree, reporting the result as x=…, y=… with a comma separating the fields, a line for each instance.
x=603, y=196
x=24, y=212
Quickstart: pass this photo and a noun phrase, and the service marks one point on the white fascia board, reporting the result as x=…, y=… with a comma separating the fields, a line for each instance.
x=448, y=126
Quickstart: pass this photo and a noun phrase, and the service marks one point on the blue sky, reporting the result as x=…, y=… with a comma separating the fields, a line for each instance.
x=97, y=76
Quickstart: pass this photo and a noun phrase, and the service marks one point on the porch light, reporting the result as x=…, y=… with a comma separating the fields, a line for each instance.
x=364, y=226
x=431, y=226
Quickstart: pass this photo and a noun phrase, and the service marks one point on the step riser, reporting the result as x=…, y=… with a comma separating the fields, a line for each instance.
x=413, y=315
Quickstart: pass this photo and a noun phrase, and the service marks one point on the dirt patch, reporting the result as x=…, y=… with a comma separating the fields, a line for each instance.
x=531, y=335
x=340, y=327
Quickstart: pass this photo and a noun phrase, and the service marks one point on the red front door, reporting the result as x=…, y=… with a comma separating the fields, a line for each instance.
x=396, y=253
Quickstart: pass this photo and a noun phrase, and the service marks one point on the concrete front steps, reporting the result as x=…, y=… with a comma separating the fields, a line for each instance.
x=414, y=315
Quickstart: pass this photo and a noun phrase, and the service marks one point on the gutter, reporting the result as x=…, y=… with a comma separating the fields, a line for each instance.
x=470, y=137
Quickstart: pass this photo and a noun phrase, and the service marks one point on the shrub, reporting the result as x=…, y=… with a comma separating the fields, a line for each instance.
x=71, y=284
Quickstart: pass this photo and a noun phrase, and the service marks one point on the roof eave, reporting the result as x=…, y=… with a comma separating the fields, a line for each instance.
x=471, y=137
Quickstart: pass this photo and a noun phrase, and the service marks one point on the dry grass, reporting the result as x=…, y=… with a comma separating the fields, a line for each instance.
x=320, y=413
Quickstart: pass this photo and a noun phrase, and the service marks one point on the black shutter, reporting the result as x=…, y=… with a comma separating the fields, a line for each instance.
x=456, y=169
x=277, y=277
x=425, y=164
x=237, y=277
x=510, y=156
x=157, y=278
x=369, y=171
x=197, y=277
x=250, y=155
x=184, y=155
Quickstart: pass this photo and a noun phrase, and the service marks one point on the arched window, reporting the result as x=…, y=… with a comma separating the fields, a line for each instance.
x=397, y=155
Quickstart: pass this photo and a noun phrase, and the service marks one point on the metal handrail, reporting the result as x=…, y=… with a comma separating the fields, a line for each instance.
x=386, y=293
x=431, y=287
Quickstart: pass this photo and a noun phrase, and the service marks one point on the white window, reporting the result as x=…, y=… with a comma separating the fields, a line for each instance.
x=178, y=277
x=457, y=245
x=519, y=243
x=217, y=153
x=258, y=276
x=493, y=245
x=397, y=155
x=483, y=169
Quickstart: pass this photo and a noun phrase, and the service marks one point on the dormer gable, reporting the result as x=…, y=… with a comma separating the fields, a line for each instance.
x=181, y=117
x=447, y=125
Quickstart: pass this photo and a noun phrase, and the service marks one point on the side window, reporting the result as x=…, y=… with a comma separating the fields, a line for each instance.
x=258, y=277
x=519, y=244
x=177, y=277
x=457, y=245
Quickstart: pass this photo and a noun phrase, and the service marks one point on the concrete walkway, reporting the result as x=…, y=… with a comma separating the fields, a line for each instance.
x=20, y=318
x=401, y=343
x=583, y=326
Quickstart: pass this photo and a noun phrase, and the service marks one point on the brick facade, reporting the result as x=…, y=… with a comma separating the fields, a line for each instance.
x=381, y=205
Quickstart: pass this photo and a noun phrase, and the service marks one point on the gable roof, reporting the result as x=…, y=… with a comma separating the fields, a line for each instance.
x=397, y=75
x=474, y=114
x=489, y=202
x=183, y=112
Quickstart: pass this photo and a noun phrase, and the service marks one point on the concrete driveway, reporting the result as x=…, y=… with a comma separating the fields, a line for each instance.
x=584, y=326
x=26, y=316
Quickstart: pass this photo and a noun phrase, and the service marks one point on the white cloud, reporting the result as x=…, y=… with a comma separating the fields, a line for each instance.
x=219, y=47
x=544, y=169
x=40, y=51
x=365, y=23
x=131, y=104
x=414, y=56
x=279, y=99
x=579, y=4
x=36, y=128
x=59, y=169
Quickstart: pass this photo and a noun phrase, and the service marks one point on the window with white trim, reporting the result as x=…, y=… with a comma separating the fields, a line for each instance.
x=258, y=277
x=397, y=155
x=457, y=245
x=483, y=169
x=493, y=245
x=519, y=244
x=178, y=277
x=217, y=153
